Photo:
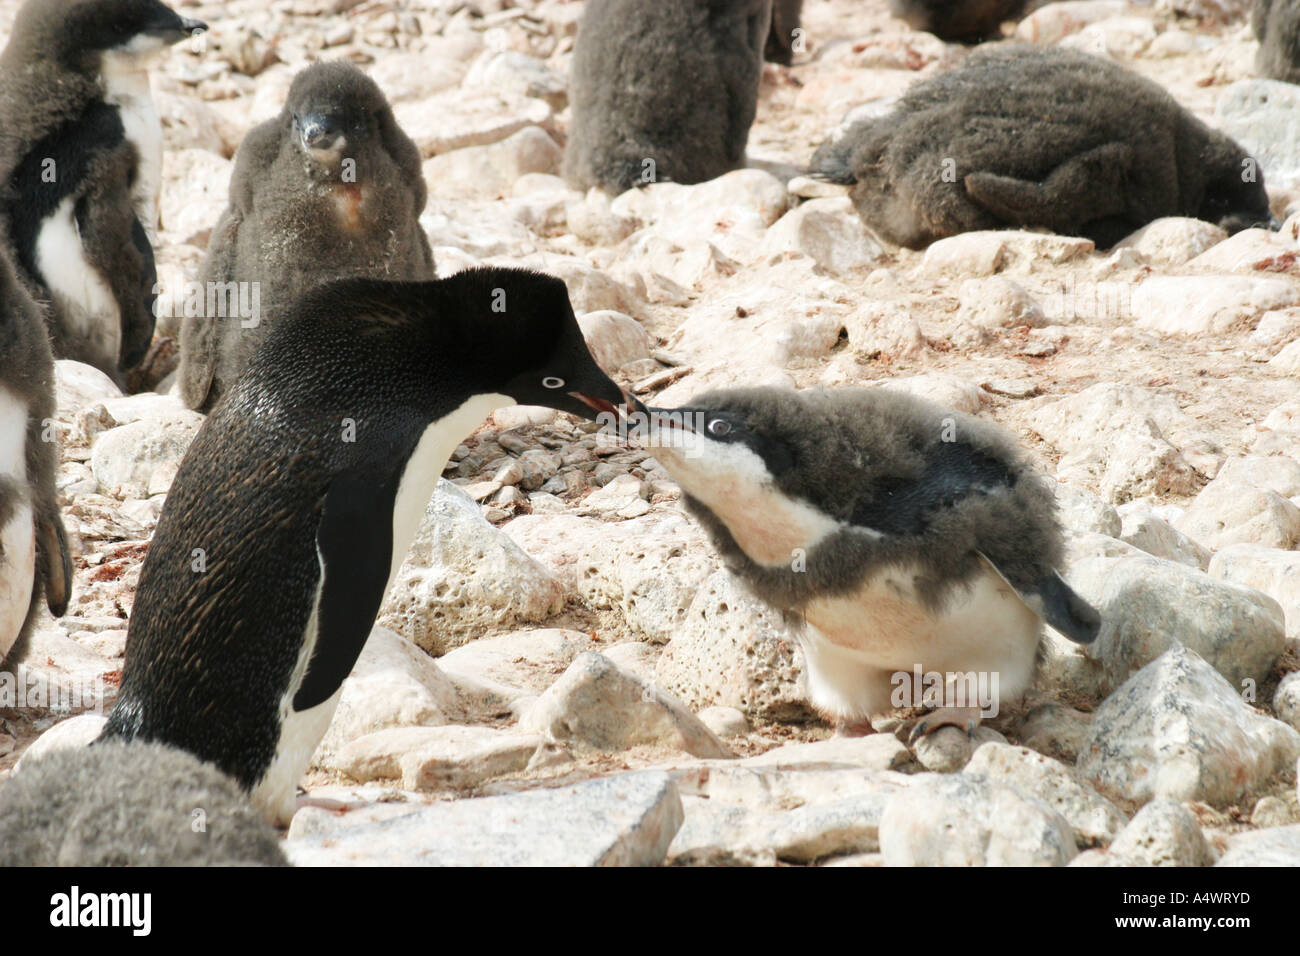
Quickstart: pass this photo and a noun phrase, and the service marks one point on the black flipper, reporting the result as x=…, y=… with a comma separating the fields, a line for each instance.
x=1057, y=603
x=355, y=541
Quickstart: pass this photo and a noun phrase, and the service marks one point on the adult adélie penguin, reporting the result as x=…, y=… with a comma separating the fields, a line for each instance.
x=298, y=500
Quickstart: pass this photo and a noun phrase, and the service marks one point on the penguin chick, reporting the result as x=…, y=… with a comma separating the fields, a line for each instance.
x=130, y=804
x=34, y=561
x=331, y=188
x=1276, y=24
x=781, y=38
x=965, y=21
x=80, y=168
x=298, y=500
x=663, y=91
x=1022, y=136
x=901, y=533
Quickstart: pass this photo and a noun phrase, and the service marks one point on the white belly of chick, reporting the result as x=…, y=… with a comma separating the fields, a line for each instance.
x=883, y=627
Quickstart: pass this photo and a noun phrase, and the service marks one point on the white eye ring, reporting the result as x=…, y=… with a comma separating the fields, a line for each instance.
x=719, y=427
x=552, y=382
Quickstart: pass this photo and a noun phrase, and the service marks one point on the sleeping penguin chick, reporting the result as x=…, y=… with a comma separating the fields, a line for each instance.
x=663, y=91
x=299, y=497
x=331, y=188
x=1276, y=24
x=781, y=38
x=1022, y=136
x=903, y=534
x=80, y=169
x=34, y=561
x=129, y=804
x=965, y=21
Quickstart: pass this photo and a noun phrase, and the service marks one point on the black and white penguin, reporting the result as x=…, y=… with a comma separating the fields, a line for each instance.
x=331, y=188
x=966, y=21
x=80, y=168
x=664, y=91
x=34, y=561
x=297, y=502
x=130, y=804
x=1040, y=137
x=900, y=534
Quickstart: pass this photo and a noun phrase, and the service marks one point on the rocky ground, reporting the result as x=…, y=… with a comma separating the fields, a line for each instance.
x=563, y=674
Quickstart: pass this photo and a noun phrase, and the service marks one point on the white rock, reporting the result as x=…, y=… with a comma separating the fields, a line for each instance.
x=1196, y=305
x=948, y=391
x=1256, y=113
x=872, y=752
x=1235, y=510
x=437, y=758
x=1173, y=240
x=459, y=118
x=67, y=734
x=734, y=652
x=1148, y=606
x=1053, y=21
x=140, y=459
x=1276, y=846
x=985, y=253
x=487, y=172
x=615, y=339
x=1157, y=537
x=529, y=660
x=623, y=820
x=956, y=820
x=730, y=722
x=1274, y=571
x=1286, y=700
x=1094, y=819
x=1177, y=730
x=829, y=231
x=392, y=684
x=1082, y=511
x=77, y=385
x=1162, y=833
x=463, y=577
x=998, y=302
x=598, y=705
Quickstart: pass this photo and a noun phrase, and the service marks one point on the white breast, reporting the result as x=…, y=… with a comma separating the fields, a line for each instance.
x=301, y=731
x=83, y=296
x=858, y=640
x=17, y=536
x=126, y=86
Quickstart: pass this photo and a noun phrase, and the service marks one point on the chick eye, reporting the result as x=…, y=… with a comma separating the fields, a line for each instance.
x=719, y=427
x=552, y=382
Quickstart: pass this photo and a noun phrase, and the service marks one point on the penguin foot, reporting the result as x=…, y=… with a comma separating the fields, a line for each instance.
x=963, y=718
x=854, y=728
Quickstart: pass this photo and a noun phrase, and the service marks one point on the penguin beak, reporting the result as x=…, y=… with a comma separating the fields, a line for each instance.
x=604, y=407
x=319, y=134
x=176, y=28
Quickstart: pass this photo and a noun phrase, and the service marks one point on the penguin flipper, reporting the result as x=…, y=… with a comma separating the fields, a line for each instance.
x=1058, y=604
x=55, y=562
x=355, y=544
x=1084, y=187
x=200, y=334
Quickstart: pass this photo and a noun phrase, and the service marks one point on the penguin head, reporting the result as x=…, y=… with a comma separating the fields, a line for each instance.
x=540, y=346
x=79, y=32
x=733, y=442
x=1234, y=197
x=334, y=110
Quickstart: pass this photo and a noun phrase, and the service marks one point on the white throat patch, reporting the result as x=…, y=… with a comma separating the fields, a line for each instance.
x=734, y=483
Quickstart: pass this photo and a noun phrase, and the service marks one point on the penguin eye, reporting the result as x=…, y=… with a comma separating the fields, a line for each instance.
x=718, y=427
x=552, y=382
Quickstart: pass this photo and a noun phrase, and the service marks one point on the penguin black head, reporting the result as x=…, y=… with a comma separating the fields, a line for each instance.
x=78, y=32
x=334, y=110
x=1234, y=196
x=501, y=332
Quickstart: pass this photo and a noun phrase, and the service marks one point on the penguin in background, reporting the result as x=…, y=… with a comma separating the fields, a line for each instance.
x=34, y=560
x=331, y=188
x=892, y=531
x=130, y=804
x=663, y=91
x=963, y=21
x=781, y=38
x=1276, y=25
x=80, y=168
x=299, y=497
